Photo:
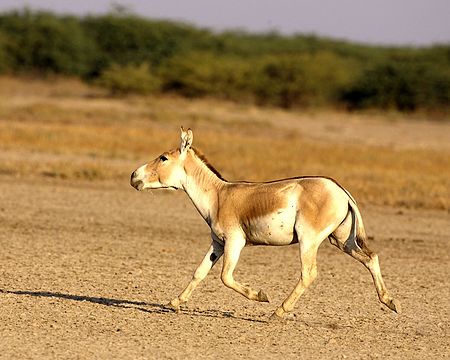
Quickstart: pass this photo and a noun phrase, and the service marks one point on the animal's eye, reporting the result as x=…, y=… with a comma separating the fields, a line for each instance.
x=163, y=158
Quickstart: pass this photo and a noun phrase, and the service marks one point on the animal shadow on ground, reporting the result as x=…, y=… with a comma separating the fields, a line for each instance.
x=148, y=307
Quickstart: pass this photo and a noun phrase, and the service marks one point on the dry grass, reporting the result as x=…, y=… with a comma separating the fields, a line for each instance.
x=65, y=129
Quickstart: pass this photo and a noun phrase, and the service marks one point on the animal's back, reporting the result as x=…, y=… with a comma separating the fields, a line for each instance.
x=267, y=212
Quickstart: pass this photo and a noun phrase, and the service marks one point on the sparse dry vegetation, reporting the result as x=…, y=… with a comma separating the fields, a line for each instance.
x=128, y=54
x=88, y=263
x=64, y=129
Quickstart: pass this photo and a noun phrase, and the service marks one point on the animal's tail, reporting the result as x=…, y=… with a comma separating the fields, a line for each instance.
x=368, y=258
x=358, y=230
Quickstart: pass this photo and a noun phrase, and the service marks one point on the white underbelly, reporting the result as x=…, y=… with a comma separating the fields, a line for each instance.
x=273, y=229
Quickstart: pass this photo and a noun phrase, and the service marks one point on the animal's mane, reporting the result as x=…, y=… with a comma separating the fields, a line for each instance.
x=205, y=161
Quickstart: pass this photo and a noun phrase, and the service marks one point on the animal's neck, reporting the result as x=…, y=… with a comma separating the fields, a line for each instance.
x=202, y=186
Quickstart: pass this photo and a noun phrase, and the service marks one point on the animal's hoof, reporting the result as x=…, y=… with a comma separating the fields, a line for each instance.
x=278, y=315
x=262, y=296
x=174, y=305
x=275, y=318
x=394, y=305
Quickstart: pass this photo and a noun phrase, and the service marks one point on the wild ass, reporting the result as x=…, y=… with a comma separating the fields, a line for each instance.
x=304, y=210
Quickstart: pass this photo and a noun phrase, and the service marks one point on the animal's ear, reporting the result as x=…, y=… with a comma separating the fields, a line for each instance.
x=187, y=137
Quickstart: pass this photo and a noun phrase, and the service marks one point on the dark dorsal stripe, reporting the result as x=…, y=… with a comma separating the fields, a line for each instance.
x=203, y=158
x=205, y=161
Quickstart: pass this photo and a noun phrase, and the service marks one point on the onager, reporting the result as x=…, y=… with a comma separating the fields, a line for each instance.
x=304, y=210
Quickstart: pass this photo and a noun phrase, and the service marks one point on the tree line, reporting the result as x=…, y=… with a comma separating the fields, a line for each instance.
x=130, y=54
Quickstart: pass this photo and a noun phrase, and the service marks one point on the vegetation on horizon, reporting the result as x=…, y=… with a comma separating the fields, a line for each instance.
x=126, y=53
x=65, y=129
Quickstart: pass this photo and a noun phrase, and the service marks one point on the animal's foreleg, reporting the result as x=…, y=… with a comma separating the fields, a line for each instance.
x=231, y=256
x=214, y=253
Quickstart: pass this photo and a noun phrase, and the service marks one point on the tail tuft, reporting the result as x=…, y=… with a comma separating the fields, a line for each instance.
x=361, y=237
x=362, y=243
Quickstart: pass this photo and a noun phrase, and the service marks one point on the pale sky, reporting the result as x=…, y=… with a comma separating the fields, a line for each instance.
x=409, y=22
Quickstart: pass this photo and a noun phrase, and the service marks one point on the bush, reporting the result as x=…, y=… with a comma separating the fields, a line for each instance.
x=127, y=79
x=199, y=74
x=401, y=85
x=301, y=80
x=41, y=41
x=131, y=39
x=6, y=60
x=127, y=53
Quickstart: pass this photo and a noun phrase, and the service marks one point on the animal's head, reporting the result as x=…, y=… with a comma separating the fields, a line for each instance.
x=167, y=170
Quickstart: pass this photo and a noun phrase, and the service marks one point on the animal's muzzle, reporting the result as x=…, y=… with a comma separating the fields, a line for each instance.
x=135, y=182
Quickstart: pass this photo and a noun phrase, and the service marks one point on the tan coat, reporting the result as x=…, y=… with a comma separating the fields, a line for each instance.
x=304, y=210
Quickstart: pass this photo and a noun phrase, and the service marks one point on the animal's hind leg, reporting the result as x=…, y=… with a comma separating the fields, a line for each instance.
x=308, y=255
x=370, y=260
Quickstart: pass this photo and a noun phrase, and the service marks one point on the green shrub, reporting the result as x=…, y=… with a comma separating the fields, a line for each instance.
x=132, y=39
x=127, y=53
x=6, y=60
x=301, y=80
x=47, y=43
x=137, y=79
x=401, y=85
x=199, y=74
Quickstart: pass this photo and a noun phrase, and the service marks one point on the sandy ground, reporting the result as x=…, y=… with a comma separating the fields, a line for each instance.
x=86, y=268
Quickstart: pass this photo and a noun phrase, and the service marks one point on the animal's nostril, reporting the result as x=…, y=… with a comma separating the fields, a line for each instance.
x=133, y=176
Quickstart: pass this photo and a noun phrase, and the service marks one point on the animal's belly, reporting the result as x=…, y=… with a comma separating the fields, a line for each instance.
x=274, y=229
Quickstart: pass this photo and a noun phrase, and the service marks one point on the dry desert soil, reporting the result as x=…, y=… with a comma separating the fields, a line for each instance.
x=87, y=263
x=86, y=269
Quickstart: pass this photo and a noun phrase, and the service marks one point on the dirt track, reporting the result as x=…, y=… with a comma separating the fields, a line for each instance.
x=86, y=269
